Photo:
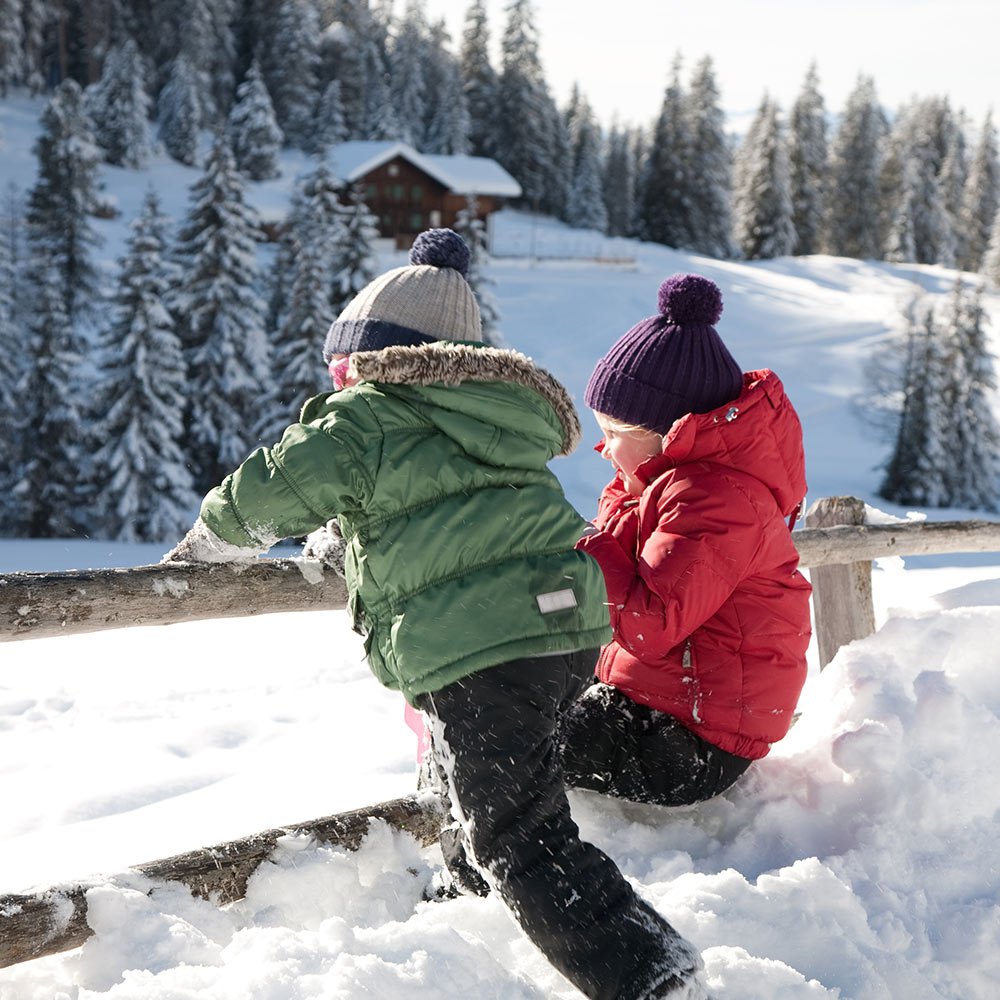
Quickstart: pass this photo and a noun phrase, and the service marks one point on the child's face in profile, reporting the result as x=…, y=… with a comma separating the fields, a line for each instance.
x=626, y=450
x=337, y=367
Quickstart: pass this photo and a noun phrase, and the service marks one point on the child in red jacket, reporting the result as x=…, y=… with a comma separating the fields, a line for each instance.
x=709, y=611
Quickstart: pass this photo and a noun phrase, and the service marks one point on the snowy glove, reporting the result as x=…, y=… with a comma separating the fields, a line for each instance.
x=327, y=545
x=202, y=545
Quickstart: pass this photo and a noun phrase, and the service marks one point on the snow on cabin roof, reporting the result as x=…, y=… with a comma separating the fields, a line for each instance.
x=461, y=174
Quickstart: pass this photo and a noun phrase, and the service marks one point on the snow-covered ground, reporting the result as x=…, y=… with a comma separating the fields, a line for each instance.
x=859, y=861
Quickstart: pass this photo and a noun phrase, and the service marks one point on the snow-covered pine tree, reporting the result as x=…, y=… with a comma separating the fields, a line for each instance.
x=762, y=198
x=220, y=319
x=290, y=66
x=355, y=264
x=952, y=177
x=710, y=165
x=407, y=77
x=298, y=371
x=991, y=259
x=179, y=113
x=916, y=471
x=60, y=234
x=448, y=124
x=479, y=81
x=852, y=221
x=807, y=155
x=118, y=106
x=911, y=183
x=664, y=189
x=980, y=199
x=618, y=180
x=253, y=132
x=145, y=492
x=585, y=207
x=52, y=466
x=525, y=115
x=901, y=240
x=473, y=230
x=38, y=15
x=11, y=44
x=973, y=446
x=354, y=52
x=331, y=126
x=13, y=358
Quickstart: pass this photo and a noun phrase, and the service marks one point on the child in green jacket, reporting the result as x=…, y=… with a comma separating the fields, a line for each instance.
x=463, y=578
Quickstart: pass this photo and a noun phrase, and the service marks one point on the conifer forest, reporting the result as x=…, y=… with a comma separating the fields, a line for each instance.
x=180, y=342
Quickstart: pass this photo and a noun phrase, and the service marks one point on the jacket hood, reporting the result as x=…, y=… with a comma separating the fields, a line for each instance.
x=508, y=389
x=758, y=433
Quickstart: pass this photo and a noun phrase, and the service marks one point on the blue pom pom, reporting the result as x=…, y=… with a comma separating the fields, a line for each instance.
x=690, y=300
x=441, y=248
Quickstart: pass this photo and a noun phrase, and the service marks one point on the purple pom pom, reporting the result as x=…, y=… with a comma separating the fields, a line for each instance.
x=441, y=248
x=690, y=300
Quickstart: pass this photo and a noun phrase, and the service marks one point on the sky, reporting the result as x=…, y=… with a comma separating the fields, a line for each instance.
x=621, y=53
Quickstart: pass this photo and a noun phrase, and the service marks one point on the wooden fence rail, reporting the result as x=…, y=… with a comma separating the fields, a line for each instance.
x=835, y=545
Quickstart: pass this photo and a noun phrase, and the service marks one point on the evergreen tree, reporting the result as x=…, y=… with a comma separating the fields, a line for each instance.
x=146, y=492
x=619, y=181
x=59, y=231
x=901, y=239
x=525, y=115
x=991, y=259
x=980, y=199
x=13, y=359
x=709, y=165
x=355, y=265
x=11, y=44
x=448, y=123
x=762, y=196
x=479, y=81
x=408, y=84
x=331, y=126
x=852, y=228
x=119, y=106
x=38, y=16
x=953, y=176
x=354, y=53
x=973, y=448
x=220, y=319
x=912, y=183
x=290, y=66
x=807, y=154
x=473, y=230
x=664, y=190
x=915, y=473
x=179, y=113
x=585, y=207
x=52, y=466
x=253, y=133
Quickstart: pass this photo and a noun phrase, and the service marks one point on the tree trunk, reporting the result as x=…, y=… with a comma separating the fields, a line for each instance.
x=55, y=920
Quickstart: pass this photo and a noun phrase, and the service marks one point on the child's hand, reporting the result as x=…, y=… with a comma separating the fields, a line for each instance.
x=327, y=545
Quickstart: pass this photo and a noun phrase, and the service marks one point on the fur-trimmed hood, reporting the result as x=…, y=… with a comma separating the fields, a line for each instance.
x=448, y=363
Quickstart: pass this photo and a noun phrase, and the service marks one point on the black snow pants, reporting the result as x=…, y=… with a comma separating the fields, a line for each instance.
x=611, y=744
x=494, y=738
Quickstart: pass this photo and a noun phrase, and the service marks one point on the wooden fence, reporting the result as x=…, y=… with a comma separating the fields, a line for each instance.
x=835, y=545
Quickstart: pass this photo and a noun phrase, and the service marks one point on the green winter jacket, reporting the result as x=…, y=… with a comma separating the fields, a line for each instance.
x=459, y=540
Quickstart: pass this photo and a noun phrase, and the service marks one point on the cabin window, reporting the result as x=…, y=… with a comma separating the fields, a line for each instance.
x=416, y=221
x=417, y=193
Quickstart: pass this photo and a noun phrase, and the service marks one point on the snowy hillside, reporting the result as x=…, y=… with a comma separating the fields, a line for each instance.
x=858, y=862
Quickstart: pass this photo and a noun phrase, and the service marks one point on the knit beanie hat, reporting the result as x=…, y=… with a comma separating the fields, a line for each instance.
x=425, y=301
x=669, y=364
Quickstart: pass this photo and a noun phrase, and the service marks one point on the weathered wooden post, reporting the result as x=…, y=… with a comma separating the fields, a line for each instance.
x=842, y=595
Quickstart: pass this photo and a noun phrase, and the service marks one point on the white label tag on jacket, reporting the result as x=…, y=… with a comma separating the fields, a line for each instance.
x=557, y=600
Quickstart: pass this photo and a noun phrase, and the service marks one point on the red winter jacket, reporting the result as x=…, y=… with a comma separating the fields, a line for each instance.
x=709, y=611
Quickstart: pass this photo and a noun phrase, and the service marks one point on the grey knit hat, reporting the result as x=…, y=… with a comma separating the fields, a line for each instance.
x=425, y=301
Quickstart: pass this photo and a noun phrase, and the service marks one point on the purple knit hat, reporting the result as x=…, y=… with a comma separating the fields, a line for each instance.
x=670, y=364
